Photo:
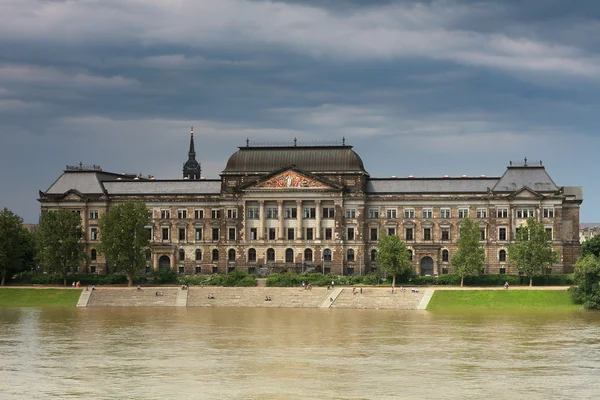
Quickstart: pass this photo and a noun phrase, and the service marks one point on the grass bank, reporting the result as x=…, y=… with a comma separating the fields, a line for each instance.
x=502, y=300
x=39, y=297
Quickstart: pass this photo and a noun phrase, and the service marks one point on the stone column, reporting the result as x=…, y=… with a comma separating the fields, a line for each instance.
x=261, y=216
x=299, y=220
x=318, y=227
x=155, y=261
x=281, y=234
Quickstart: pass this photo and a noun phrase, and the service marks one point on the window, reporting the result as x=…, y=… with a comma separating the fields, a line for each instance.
x=181, y=270
x=215, y=234
x=165, y=233
x=231, y=213
x=290, y=233
x=215, y=214
x=93, y=214
x=93, y=255
x=309, y=234
x=463, y=213
x=390, y=213
x=445, y=213
x=291, y=212
x=181, y=255
x=78, y=212
x=481, y=213
x=410, y=254
x=548, y=212
x=502, y=233
x=328, y=234
x=427, y=213
x=350, y=234
x=502, y=255
x=426, y=233
x=198, y=269
x=328, y=212
x=409, y=213
x=149, y=233
x=502, y=213
x=350, y=255
x=198, y=255
x=373, y=234
x=502, y=271
x=445, y=255
x=181, y=233
x=253, y=234
x=271, y=233
x=94, y=234
x=270, y=255
x=445, y=233
x=198, y=214
x=308, y=255
x=231, y=255
x=253, y=213
x=289, y=255
x=351, y=213
x=231, y=233
x=482, y=234
x=252, y=255
x=198, y=234
x=272, y=213
x=373, y=255
x=310, y=212
x=391, y=231
x=181, y=214
x=408, y=234
x=326, y=255
x=373, y=212
x=165, y=214
x=525, y=212
x=549, y=233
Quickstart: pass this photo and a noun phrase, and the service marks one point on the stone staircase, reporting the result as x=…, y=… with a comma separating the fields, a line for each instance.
x=131, y=297
x=84, y=298
x=255, y=297
x=378, y=298
x=328, y=302
x=182, y=296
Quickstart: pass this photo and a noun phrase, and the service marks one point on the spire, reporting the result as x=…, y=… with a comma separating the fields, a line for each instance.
x=191, y=168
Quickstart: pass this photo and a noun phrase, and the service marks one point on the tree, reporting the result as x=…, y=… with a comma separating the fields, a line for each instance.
x=393, y=257
x=532, y=250
x=124, y=238
x=15, y=244
x=58, y=242
x=587, y=281
x=470, y=257
x=591, y=246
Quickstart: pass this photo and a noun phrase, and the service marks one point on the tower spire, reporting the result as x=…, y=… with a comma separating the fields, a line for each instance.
x=191, y=168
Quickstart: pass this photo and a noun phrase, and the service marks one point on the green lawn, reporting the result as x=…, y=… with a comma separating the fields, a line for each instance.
x=39, y=297
x=501, y=300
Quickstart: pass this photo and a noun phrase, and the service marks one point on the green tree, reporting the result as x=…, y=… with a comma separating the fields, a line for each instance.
x=532, y=250
x=591, y=246
x=470, y=257
x=15, y=244
x=587, y=281
x=393, y=257
x=58, y=242
x=124, y=238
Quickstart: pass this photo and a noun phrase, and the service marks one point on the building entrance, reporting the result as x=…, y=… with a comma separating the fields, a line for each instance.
x=426, y=266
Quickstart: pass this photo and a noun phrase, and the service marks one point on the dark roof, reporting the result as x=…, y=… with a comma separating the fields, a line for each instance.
x=315, y=159
x=534, y=177
x=167, y=187
x=430, y=185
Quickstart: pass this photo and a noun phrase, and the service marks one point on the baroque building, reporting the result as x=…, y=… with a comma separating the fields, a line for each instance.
x=316, y=208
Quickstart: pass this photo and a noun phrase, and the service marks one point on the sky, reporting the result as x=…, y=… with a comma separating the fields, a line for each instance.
x=423, y=88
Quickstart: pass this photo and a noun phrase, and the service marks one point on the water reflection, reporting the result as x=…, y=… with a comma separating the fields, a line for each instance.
x=158, y=353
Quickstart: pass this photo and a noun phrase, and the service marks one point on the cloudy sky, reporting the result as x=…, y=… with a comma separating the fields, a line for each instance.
x=423, y=88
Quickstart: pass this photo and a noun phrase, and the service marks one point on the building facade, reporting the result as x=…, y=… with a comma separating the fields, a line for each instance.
x=316, y=208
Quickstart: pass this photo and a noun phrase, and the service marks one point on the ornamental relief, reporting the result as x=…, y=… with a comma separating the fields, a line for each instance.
x=290, y=179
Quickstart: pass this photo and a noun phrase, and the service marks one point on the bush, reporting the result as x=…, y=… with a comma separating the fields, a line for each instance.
x=236, y=278
x=162, y=277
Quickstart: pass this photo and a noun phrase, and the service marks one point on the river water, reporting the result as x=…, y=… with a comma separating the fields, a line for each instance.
x=241, y=353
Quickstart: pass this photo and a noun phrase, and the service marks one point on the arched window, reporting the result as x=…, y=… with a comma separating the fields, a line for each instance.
x=181, y=255
x=252, y=255
x=502, y=256
x=308, y=255
x=93, y=255
x=373, y=255
x=270, y=255
x=350, y=255
x=231, y=255
x=289, y=255
x=215, y=255
x=198, y=254
x=410, y=255
x=445, y=255
x=326, y=255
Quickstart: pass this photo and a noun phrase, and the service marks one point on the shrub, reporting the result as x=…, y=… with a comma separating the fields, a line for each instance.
x=162, y=277
x=236, y=278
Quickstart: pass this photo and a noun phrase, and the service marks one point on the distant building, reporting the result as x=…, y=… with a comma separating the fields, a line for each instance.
x=298, y=208
x=31, y=227
x=588, y=231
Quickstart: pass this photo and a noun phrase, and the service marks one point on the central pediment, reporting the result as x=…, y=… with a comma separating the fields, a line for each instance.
x=291, y=179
